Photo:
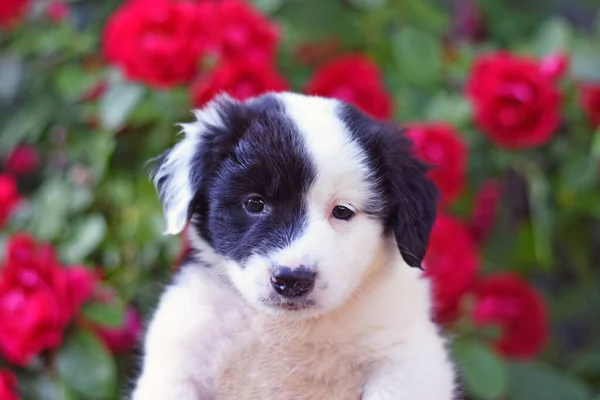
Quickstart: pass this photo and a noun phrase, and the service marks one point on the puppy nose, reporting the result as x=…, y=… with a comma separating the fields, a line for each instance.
x=292, y=282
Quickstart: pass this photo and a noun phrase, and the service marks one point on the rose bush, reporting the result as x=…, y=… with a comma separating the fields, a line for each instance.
x=501, y=99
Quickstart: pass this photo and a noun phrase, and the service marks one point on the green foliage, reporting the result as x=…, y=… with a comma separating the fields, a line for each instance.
x=86, y=367
x=484, y=373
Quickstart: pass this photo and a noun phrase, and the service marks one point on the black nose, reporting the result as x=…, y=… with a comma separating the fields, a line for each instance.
x=292, y=282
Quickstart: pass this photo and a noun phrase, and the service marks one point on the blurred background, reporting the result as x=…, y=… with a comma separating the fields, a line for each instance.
x=503, y=96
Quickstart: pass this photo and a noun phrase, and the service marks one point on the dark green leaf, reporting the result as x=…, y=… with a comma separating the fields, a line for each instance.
x=84, y=364
x=579, y=173
x=51, y=209
x=539, y=192
x=12, y=70
x=368, y=4
x=450, y=108
x=419, y=57
x=118, y=101
x=585, y=62
x=87, y=235
x=538, y=381
x=106, y=314
x=553, y=36
x=485, y=374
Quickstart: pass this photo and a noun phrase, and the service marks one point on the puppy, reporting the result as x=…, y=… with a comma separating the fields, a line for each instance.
x=305, y=218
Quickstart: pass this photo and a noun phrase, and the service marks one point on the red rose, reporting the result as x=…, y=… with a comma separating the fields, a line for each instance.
x=11, y=11
x=590, y=102
x=554, y=66
x=8, y=385
x=123, y=338
x=245, y=35
x=22, y=160
x=451, y=263
x=9, y=197
x=239, y=80
x=57, y=11
x=441, y=146
x=355, y=79
x=515, y=105
x=484, y=210
x=160, y=42
x=38, y=299
x=509, y=302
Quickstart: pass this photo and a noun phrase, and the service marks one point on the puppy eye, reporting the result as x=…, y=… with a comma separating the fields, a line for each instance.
x=254, y=205
x=342, y=212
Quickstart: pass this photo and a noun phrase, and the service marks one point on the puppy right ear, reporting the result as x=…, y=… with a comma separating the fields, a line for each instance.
x=176, y=177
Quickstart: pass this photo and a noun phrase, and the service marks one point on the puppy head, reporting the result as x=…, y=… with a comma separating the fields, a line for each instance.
x=297, y=196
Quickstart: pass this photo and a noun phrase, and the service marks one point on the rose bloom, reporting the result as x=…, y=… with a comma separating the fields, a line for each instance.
x=451, y=263
x=507, y=301
x=11, y=11
x=22, y=160
x=38, y=298
x=240, y=80
x=515, y=104
x=9, y=197
x=485, y=210
x=57, y=11
x=123, y=338
x=554, y=66
x=355, y=79
x=160, y=42
x=439, y=145
x=590, y=102
x=8, y=385
x=244, y=34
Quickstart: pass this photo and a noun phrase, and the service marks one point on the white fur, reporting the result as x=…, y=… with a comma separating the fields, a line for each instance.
x=369, y=334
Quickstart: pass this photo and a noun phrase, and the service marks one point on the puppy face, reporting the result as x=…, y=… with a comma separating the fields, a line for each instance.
x=297, y=196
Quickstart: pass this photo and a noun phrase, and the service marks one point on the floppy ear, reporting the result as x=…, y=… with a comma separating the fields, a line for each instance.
x=416, y=199
x=179, y=172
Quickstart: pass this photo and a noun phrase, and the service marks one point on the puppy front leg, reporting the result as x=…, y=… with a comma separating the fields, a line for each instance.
x=420, y=369
x=190, y=334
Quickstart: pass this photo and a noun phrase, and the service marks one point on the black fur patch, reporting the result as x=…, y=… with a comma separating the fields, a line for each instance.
x=410, y=198
x=258, y=152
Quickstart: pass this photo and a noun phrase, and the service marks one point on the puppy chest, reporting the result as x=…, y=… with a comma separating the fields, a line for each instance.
x=287, y=370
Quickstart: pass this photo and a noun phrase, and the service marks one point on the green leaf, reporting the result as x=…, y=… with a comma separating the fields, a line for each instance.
x=538, y=381
x=26, y=124
x=553, y=36
x=369, y=4
x=86, y=237
x=450, y=108
x=43, y=387
x=585, y=62
x=268, y=6
x=85, y=366
x=12, y=71
x=50, y=209
x=579, y=173
x=485, y=374
x=118, y=102
x=596, y=145
x=107, y=314
x=419, y=57
x=541, y=218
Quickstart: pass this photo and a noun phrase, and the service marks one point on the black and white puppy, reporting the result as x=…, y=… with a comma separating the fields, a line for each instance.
x=306, y=217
